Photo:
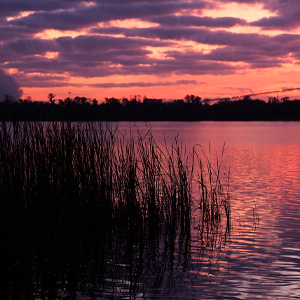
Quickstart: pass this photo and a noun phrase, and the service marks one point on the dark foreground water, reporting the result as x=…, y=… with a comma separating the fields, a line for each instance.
x=260, y=258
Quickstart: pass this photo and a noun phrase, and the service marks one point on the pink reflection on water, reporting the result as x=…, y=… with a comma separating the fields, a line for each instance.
x=261, y=256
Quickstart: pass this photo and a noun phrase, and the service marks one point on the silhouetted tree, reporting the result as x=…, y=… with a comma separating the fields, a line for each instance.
x=196, y=100
x=113, y=101
x=273, y=100
x=83, y=100
x=77, y=100
x=124, y=101
x=187, y=98
x=28, y=99
x=8, y=98
x=68, y=100
x=150, y=109
x=284, y=99
x=51, y=96
x=247, y=98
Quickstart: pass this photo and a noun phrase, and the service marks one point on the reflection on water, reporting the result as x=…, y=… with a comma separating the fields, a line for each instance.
x=259, y=257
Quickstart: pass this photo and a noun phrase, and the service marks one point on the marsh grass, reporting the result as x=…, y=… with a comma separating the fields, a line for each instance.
x=214, y=194
x=212, y=210
x=86, y=208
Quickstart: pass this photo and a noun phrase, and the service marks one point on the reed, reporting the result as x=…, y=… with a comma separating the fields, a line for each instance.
x=78, y=200
x=214, y=209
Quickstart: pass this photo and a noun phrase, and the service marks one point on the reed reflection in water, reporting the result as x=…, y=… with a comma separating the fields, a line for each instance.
x=89, y=213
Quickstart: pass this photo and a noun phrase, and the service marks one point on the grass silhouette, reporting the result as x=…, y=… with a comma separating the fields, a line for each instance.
x=85, y=209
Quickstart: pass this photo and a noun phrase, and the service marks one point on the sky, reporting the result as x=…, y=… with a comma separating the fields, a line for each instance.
x=154, y=48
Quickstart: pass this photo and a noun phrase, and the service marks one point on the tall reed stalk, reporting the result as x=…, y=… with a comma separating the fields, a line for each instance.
x=214, y=209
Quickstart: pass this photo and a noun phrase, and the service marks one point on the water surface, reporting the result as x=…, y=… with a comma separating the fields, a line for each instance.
x=260, y=258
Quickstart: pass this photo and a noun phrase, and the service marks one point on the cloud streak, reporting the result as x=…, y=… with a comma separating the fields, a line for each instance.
x=144, y=84
x=89, y=15
x=182, y=21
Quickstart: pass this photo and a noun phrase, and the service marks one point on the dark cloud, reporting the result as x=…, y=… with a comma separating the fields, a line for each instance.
x=8, y=33
x=271, y=55
x=242, y=47
x=93, y=47
x=121, y=2
x=287, y=13
x=9, y=86
x=89, y=15
x=15, y=7
x=264, y=64
x=95, y=43
x=46, y=84
x=30, y=46
x=81, y=52
x=25, y=49
x=143, y=84
x=108, y=51
x=250, y=2
x=184, y=67
x=278, y=6
x=35, y=81
x=199, y=35
x=225, y=22
x=159, y=67
x=41, y=65
x=282, y=7
x=60, y=81
x=283, y=22
x=100, y=56
x=285, y=39
x=255, y=58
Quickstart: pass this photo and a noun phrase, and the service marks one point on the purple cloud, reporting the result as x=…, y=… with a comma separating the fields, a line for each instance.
x=143, y=84
x=256, y=59
x=290, y=21
x=8, y=33
x=105, y=68
x=14, y=7
x=87, y=16
x=81, y=51
x=182, y=21
x=287, y=13
x=199, y=35
x=35, y=81
x=109, y=51
x=282, y=7
x=100, y=56
x=9, y=86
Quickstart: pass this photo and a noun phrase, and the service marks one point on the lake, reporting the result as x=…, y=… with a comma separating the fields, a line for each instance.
x=260, y=257
x=86, y=214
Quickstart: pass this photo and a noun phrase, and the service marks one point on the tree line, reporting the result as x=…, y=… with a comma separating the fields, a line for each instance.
x=190, y=108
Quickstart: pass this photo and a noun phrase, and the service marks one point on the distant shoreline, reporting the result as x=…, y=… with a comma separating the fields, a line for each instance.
x=151, y=110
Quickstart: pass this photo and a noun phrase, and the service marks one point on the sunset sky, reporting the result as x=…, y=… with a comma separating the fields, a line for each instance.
x=154, y=48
